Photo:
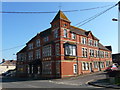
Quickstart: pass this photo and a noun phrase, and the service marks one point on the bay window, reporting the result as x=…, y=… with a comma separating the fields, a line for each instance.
x=70, y=50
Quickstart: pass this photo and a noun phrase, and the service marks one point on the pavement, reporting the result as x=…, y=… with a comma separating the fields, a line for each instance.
x=93, y=80
x=103, y=83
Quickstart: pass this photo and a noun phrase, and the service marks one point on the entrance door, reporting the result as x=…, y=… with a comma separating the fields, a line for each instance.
x=99, y=68
x=91, y=67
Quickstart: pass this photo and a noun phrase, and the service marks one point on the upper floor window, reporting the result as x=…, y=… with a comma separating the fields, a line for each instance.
x=30, y=46
x=91, y=53
x=65, y=24
x=65, y=33
x=83, y=40
x=21, y=56
x=96, y=43
x=56, y=33
x=46, y=39
x=46, y=51
x=57, y=49
x=37, y=42
x=73, y=36
x=106, y=54
x=97, y=53
x=90, y=42
x=30, y=55
x=37, y=54
x=70, y=50
x=101, y=53
x=84, y=52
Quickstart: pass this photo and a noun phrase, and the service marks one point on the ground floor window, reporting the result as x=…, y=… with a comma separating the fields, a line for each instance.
x=46, y=67
x=108, y=63
x=95, y=64
x=75, y=68
x=85, y=66
x=57, y=67
x=102, y=65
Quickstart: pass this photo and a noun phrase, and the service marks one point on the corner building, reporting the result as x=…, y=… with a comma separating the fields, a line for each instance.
x=62, y=51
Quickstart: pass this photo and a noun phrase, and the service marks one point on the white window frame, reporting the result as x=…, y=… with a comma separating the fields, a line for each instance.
x=73, y=35
x=65, y=33
x=74, y=68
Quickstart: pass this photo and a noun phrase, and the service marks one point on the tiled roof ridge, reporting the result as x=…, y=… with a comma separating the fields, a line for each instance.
x=78, y=28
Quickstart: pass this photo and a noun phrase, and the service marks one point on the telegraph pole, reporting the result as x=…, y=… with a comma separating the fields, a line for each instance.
x=118, y=27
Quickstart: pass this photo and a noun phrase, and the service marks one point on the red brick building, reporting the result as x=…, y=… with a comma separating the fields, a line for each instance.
x=62, y=51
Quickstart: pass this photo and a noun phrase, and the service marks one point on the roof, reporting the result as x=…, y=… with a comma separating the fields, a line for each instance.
x=109, y=47
x=45, y=32
x=102, y=47
x=61, y=15
x=81, y=31
x=9, y=63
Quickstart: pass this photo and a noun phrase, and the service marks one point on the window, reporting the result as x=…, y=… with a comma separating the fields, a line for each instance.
x=108, y=63
x=83, y=40
x=57, y=49
x=90, y=42
x=84, y=52
x=75, y=68
x=30, y=46
x=65, y=33
x=106, y=54
x=46, y=39
x=57, y=67
x=37, y=42
x=38, y=70
x=37, y=53
x=30, y=55
x=97, y=53
x=96, y=43
x=102, y=64
x=91, y=53
x=56, y=33
x=46, y=67
x=85, y=66
x=73, y=36
x=95, y=64
x=46, y=51
x=70, y=50
x=28, y=69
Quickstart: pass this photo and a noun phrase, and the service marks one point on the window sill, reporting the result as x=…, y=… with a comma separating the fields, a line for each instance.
x=70, y=57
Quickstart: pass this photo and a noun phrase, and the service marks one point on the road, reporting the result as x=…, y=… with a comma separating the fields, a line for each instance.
x=74, y=82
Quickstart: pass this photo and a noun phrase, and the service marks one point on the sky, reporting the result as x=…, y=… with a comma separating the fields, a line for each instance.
x=18, y=29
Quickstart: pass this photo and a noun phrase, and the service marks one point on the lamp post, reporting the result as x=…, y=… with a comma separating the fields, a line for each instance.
x=118, y=20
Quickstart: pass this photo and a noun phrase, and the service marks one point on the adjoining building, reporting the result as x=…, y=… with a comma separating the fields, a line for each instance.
x=61, y=51
x=116, y=58
x=6, y=65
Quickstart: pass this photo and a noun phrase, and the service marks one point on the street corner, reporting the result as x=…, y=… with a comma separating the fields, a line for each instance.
x=103, y=83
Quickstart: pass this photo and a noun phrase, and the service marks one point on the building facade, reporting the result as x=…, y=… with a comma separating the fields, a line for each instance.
x=116, y=58
x=6, y=65
x=62, y=51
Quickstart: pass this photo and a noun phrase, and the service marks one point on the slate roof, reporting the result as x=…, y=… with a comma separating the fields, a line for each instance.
x=102, y=47
x=9, y=63
x=61, y=15
x=81, y=31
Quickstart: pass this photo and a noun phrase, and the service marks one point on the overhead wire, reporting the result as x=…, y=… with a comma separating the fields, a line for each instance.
x=54, y=11
x=11, y=48
x=93, y=17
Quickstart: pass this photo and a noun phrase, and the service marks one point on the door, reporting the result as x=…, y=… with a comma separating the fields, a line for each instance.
x=91, y=70
x=99, y=68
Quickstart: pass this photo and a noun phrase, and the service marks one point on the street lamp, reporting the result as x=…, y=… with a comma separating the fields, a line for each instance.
x=114, y=19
